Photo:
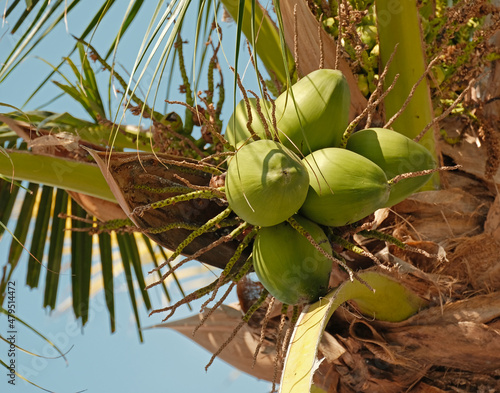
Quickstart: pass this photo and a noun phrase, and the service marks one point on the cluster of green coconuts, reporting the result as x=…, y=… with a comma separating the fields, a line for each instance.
x=267, y=181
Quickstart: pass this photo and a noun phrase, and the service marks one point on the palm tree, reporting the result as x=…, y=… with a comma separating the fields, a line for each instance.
x=429, y=68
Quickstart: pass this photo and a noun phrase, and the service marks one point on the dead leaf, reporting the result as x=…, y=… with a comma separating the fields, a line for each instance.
x=492, y=224
x=475, y=261
x=472, y=156
x=42, y=141
x=99, y=208
x=450, y=336
x=422, y=387
x=440, y=215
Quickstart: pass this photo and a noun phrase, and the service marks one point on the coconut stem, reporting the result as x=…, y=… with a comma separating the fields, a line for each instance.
x=98, y=227
x=278, y=360
x=201, y=230
x=197, y=254
x=164, y=190
x=200, y=194
x=174, y=225
x=187, y=299
x=375, y=99
x=293, y=321
x=408, y=175
x=234, y=258
x=373, y=234
x=263, y=329
x=356, y=249
x=215, y=307
x=203, y=291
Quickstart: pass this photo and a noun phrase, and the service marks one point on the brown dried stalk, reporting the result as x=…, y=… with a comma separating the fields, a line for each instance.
x=412, y=92
x=450, y=108
x=263, y=329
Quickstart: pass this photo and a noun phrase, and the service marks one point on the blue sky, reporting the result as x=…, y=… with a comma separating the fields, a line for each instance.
x=97, y=360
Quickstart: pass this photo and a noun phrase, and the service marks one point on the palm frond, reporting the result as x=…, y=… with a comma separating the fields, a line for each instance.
x=81, y=263
x=39, y=236
x=51, y=175
x=22, y=225
x=56, y=172
x=46, y=16
x=130, y=15
x=124, y=244
x=261, y=32
x=55, y=250
x=43, y=206
x=8, y=195
x=169, y=21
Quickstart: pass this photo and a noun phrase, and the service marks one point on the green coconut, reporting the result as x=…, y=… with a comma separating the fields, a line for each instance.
x=289, y=266
x=266, y=183
x=237, y=131
x=344, y=187
x=395, y=154
x=320, y=114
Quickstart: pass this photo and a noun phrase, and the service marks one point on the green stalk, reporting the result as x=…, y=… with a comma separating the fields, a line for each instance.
x=268, y=45
x=398, y=24
x=56, y=172
x=390, y=301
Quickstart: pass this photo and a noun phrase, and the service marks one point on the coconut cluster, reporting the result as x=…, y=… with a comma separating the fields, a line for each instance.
x=298, y=169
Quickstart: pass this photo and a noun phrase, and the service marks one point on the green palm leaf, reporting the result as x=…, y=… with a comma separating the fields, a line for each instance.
x=57, y=174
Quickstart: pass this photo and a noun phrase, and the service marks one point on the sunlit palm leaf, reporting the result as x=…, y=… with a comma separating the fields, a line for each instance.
x=81, y=262
x=8, y=195
x=38, y=237
x=91, y=133
x=171, y=19
x=123, y=243
x=38, y=29
x=55, y=250
x=264, y=37
x=22, y=225
x=55, y=172
x=21, y=50
x=53, y=233
x=129, y=17
x=107, y=275
x=81, y=243
x=206, y=15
